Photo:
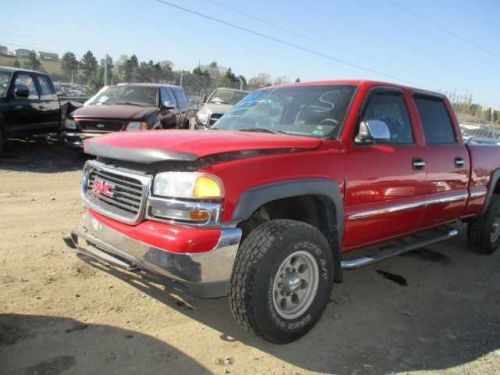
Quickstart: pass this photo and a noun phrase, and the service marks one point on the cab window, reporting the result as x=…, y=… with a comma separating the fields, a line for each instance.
x=46, y=88
x=436, y=121
x=26, y=80
x=390, y=107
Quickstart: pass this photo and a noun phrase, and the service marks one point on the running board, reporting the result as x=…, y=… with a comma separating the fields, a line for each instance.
x=401, y=246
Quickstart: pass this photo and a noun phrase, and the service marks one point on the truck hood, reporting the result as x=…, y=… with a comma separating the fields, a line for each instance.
x=188, y=145
x=121, y=112
x=217, y=108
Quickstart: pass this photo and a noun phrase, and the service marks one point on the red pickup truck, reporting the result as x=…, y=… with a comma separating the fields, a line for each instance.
x=291, y=186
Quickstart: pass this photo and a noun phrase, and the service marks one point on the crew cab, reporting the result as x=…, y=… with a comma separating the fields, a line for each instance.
x=29, y=104
x=128, y=107
x=292, y=186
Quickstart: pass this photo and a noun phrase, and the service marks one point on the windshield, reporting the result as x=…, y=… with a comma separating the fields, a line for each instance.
x=226, y=96
x=313, y=111
x=142, y=96
x=4, y=83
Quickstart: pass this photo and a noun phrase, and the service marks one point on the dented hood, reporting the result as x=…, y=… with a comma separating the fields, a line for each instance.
x=189, y=145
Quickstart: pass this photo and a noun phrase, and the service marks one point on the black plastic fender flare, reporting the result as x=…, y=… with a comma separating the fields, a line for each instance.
x=256, y=197
x=495, y=178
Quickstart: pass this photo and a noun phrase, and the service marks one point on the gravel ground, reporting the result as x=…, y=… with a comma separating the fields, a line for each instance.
x=436, y=310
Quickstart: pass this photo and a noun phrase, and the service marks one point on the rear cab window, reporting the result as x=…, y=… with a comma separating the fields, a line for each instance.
x=436, y=121
x=47, y=90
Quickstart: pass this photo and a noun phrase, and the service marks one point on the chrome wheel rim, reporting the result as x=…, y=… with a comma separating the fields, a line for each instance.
x=495, y=228
x=295, y=284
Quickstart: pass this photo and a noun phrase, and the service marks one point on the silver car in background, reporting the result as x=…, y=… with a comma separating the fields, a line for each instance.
x=216, y=104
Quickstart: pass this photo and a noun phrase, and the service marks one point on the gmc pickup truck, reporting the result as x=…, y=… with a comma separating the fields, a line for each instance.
x=291, y=186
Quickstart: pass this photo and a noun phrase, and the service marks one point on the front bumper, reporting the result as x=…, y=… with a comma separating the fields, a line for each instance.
x=75, y=139
x=204, y=274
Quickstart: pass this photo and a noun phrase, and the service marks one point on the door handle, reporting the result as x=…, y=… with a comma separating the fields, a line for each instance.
x=418, y=164
x=459, y=162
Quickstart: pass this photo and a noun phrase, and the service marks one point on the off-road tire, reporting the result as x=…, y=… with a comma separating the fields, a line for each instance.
x=2, y=141
x=257, y=262
x=479, y=229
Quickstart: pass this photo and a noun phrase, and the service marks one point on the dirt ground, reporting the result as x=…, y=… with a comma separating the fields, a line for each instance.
x=433, y=311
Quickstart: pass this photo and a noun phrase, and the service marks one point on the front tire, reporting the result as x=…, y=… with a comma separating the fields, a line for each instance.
x=484, y=231
x=282, y=279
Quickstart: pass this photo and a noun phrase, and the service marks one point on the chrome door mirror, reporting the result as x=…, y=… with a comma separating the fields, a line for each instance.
x=373, y=131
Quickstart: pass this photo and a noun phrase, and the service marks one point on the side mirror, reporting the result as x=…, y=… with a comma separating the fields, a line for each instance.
x=22, y=91
x=168, y=105
x=373, y=131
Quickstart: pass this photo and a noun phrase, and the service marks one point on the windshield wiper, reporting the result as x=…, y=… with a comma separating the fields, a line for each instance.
x=129, y=103
x=260, y=130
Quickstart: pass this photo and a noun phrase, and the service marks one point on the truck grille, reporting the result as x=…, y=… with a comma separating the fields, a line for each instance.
x=114, y=193
x=214, y=118
x=100, y=125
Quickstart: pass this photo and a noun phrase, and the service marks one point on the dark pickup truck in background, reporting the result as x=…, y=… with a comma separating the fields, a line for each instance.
x=128, y=107
x=29, y=104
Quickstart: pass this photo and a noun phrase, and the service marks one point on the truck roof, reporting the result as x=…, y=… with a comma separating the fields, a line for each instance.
x=12, y=70
x=147, y=84
x=357, y=82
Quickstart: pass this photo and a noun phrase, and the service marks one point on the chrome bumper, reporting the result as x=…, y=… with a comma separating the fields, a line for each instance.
x=75, y=139
x=204, y=274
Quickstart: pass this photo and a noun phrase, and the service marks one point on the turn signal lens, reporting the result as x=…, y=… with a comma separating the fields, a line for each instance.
x=207, y=187
x=199, y=215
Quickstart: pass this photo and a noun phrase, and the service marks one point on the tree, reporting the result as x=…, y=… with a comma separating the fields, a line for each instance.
x=32, y=61
x=262, y=79
x=69, y=65
x=297, y=80
x=130, y=69
x=88, y=66
x=16, y=64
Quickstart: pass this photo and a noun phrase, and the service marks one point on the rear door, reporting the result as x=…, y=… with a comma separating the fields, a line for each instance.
x=385, y=185
x=49, y=108
x=446, y=161
x=21, y=116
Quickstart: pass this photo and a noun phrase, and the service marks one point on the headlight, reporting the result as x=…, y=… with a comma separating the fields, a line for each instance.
x=203, y=116
x=136, y=126
x=70, y=124
x=188, y=185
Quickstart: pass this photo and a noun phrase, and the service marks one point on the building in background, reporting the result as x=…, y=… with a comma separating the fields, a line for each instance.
x=4, y=50
x=48, y=56
x=22, y=52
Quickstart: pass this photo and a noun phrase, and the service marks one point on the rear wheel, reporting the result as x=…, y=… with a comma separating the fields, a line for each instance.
x=484, y=231
x=282, y=280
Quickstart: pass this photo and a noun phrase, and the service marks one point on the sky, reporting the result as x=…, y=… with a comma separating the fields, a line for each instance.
x=445, y=45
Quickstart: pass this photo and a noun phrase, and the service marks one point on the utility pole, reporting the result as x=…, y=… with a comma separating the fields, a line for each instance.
x=241, y=82
x=106, y=70
x=182, y=74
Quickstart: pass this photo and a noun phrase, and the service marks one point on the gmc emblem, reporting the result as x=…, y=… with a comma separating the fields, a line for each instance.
x=102, y=187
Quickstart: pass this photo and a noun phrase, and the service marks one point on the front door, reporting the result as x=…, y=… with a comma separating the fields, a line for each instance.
x=22, y=115
x=385, y=183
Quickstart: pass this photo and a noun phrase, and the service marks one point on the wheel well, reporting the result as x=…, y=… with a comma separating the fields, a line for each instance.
x=316, y=210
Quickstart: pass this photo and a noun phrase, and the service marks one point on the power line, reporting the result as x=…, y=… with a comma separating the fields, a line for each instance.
x=443, y=29
x=280, y=41
x=294, y=32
